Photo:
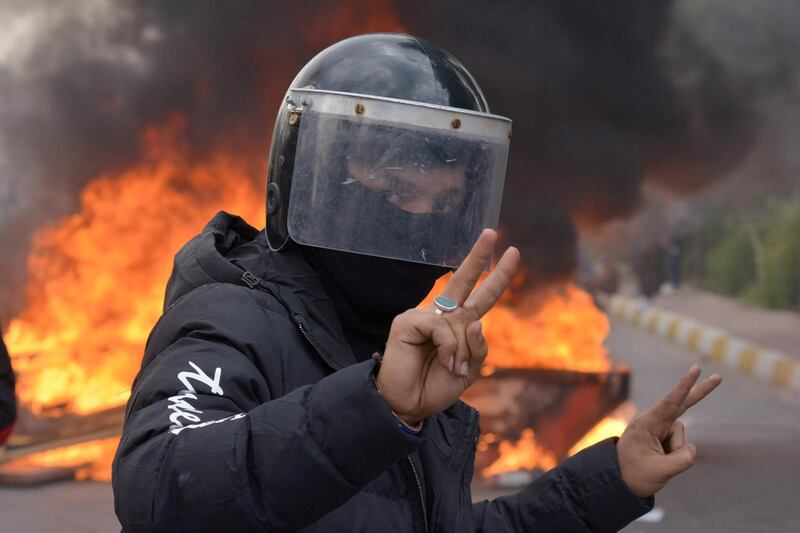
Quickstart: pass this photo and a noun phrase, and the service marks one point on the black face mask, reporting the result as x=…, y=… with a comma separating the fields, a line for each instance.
x=376, y=289
x=368, y=292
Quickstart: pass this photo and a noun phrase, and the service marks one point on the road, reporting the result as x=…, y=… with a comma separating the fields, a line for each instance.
x=746, y=479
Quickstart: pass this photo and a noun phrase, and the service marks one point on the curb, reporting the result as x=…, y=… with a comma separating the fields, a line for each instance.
x=769, y=366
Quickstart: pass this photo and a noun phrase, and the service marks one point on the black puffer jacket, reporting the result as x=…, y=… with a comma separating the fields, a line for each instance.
x=250, y=413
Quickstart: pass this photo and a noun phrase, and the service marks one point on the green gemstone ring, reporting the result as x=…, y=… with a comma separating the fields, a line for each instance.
x=444, y=304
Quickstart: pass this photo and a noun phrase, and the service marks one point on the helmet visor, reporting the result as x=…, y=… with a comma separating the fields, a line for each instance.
x=395, y=179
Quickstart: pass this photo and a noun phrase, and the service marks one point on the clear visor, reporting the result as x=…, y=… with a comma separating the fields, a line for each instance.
x=394, y=179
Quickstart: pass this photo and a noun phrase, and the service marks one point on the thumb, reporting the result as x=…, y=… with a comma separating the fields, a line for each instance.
x=677, y=461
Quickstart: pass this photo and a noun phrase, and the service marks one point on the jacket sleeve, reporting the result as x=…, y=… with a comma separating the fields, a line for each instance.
x=206, y=446
x=586, y=493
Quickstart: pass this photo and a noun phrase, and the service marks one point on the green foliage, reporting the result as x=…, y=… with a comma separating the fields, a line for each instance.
x=696, y=249
x=731, y=265
x=720, y=257
x=780, y=287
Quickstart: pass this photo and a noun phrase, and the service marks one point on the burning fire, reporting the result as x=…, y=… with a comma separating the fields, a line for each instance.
x=611, y=426
x=560, y=329
x=78, y=344
x=527, y=454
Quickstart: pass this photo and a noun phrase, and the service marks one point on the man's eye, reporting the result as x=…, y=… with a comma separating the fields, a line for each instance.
x=443, y=206
x=446, y=202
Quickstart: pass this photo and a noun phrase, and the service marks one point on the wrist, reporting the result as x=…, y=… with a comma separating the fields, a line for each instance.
x=411, y=424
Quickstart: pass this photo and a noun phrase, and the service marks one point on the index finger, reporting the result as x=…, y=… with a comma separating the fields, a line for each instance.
x=464, y=279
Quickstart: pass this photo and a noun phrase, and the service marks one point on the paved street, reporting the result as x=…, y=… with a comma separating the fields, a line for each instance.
x=747, y=476
x=73, y=507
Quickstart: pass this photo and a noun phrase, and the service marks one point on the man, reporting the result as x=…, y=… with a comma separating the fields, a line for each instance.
x=259, y=405
x=8, y=402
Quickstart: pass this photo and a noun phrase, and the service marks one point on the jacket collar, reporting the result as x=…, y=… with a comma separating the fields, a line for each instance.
x=298, y=287
x=228, y=247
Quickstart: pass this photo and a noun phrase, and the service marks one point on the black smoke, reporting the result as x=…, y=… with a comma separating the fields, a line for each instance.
x=604, y=95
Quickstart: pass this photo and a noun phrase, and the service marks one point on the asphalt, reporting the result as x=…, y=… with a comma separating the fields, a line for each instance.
x=745, y=479
x=67, y=507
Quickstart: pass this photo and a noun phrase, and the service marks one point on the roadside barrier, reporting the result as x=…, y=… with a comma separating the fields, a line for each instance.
x=769, y=366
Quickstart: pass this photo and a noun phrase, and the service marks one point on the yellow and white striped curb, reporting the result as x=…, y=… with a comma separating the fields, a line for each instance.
x=770, y=366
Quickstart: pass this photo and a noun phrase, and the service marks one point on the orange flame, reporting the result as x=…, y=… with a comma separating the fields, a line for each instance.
x=79, y=341
x=562, y=330
x=527, y=454
x=611, y=426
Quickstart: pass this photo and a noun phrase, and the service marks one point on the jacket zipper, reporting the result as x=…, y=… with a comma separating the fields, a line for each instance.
x=252, y=281
x=421, y=494
x=314, y=345
x=333, y=365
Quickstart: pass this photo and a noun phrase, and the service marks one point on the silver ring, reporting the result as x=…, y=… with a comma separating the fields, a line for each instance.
x=444, y=305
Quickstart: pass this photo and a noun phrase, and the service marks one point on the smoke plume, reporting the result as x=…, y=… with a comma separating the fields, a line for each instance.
x=603, y=96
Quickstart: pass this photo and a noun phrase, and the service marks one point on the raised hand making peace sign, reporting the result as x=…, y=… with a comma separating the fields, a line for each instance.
x=653, y=449
x=432, y=357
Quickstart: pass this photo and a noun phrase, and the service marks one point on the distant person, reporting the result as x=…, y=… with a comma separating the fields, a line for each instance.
x=650, y=267
x=8, y=403
x=674, y=261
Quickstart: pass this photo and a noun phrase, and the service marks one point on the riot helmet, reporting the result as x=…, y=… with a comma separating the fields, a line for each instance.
x=384, y=146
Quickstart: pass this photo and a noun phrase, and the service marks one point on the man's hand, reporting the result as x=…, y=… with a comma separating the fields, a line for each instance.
x=653, y=449
x=431, y=359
